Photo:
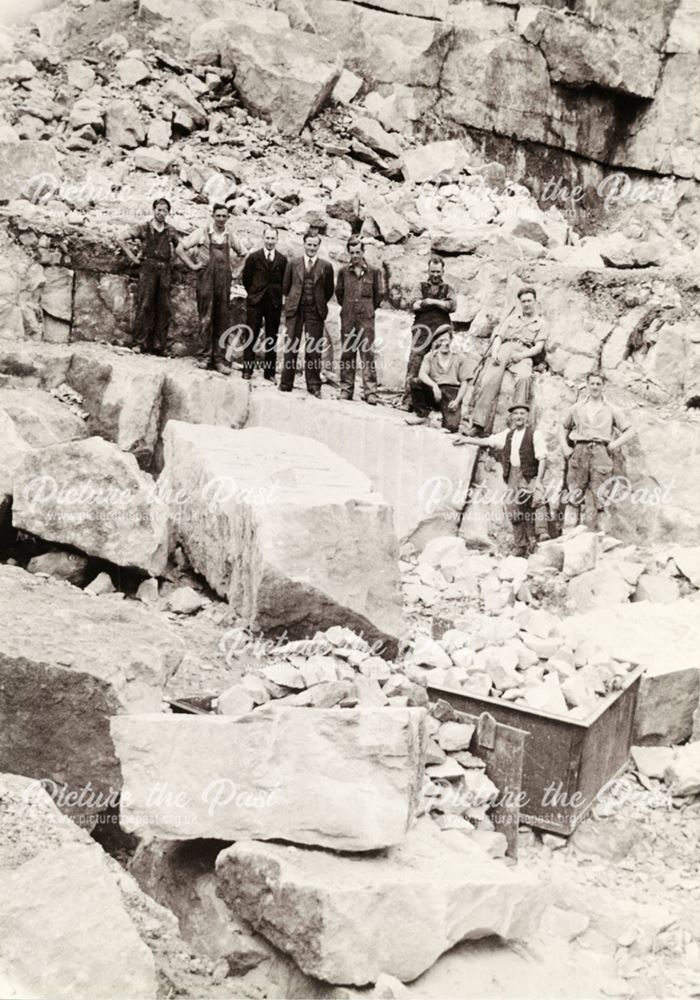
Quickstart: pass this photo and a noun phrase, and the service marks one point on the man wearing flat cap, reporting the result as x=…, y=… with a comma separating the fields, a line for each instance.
x=524, y=458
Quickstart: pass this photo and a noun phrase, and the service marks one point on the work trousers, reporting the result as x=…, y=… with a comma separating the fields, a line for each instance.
x=489, y=388
x=307, y=321
x=213, y=295
x=424, y=401
x=422, y=338
x=153, y=306
x=590, y=468
x=528, y=519
x=357, y=339
x=263, y=312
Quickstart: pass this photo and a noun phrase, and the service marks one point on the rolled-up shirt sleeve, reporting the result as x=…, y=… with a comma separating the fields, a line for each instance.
x=539, y=445
x=495, y=440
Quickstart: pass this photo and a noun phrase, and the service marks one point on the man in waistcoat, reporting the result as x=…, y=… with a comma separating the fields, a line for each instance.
x=263, y=273
x=158, y=242
x=432, y=302
x=308, y=286
x=524, y=458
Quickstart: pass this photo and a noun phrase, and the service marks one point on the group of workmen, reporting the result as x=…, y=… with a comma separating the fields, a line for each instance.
x=437, y=376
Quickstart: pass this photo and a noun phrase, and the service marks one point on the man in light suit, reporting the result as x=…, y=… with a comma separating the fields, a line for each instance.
x=263, y=273
x=308, y=286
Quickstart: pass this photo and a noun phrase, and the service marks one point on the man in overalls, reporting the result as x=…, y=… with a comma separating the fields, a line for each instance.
x=359, y=292
x=214, y=244
x=432, y=301
x=158, y=241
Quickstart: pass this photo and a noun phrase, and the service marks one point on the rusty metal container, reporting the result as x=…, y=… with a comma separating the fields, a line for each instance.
x=567, y=761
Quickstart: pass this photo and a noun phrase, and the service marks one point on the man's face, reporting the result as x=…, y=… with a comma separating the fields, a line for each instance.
x=595, y=386
x=311, y=245
x=355, y=252
x=435, y=273
x=527, y=303
x=270, y=239
x=519, y=417
x=443, y=344
x=160, y=212
x=220, y=218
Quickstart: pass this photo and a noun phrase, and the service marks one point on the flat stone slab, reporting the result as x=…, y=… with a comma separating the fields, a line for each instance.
x=345, y=779
x=290, y=533
x=347, y=918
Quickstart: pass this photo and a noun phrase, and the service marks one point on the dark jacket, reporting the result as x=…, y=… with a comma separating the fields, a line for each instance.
x=262, y=279
x=528, y=461
x=355, y=294
x=294, y=282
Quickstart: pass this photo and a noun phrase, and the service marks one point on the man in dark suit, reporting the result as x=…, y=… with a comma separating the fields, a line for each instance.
x=263, y=273
x=308, y=286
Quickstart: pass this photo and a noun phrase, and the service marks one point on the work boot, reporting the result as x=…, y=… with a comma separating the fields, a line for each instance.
x=344, y=394
x=371, y=399
x=315, y=392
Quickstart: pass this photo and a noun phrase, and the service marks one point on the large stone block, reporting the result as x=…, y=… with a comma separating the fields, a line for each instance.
x=60, y=684
x=662, y=638
x=417, y=471
x=342, y=779
x=292, y=535
x=122, y=395
x=93, y=496
x=347, y=919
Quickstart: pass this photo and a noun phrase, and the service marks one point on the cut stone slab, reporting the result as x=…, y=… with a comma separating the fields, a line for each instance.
x=65, y=906
x=337, y=915
x=262, y=519
x=348, y=779
x=662, y=638
x=92, y=495
x=97, y=659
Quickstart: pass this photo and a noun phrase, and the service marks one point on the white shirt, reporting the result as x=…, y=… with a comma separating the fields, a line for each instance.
x=270, y=255
x=499, y=441
x=309, y=262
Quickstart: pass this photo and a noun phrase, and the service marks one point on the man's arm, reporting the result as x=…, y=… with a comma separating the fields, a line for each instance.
x=328, y=281
x=567, y=424
x=181, y=252
x=416, y=298
x=287, y=280
x=621, y=423
x=424, y=377
x=493, y=441
x=377, y=288
x=463, y=383
x=340, y=286
x=247, y=274
x=135, y=233
x=540, y=449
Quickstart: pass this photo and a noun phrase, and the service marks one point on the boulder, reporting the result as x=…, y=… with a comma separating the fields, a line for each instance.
x=178, y=93
x=61, y=685
x=599, y=588
x=656, y=588
x=580, y=551
x=652, y=761
x=687, y=559
x=261, y=517
x=27, y=168
x=683, y=773
x=65, y=905
x=93, y=496
x=371, y=133
x=390, y=226
x=285, y=78
x=131, y=71
x=662, y=638
x=124, y=126
x=336, y=914
x=68, y=566
x=427, y=161
x=343, y=779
